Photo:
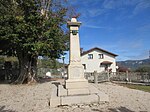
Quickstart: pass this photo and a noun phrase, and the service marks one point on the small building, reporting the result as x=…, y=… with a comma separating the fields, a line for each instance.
x=97, y=59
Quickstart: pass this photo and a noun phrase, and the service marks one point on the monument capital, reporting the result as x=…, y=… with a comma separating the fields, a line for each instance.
x=73, y=22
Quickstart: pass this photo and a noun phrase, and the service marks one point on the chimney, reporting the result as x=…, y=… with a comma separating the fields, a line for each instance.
x=81, y=50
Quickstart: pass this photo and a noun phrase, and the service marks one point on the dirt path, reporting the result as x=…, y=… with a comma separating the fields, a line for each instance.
x=24, y=98
x=34, y=98
x=125, y=99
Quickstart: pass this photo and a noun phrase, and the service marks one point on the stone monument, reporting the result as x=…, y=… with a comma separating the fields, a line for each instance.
x=76, y=89
x=76, y=83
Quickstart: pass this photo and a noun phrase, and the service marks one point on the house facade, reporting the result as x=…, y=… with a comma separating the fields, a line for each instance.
x=97, y=59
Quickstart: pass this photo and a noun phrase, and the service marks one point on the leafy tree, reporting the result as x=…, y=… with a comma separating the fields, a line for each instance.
x=32, y=28
x=145, y=68
x=12, y=60
x=49, y=63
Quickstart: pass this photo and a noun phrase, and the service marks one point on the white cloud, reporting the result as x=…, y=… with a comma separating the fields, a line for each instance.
x=130, y=2
x=90, y=2
x=139, y=56
x=95, y=12
x=85, y=2
x=139, y=5
x=92, y=12
x=97, y=27
x=142, y=5
x=92, y=8
x=143, y=28
x=125, y=49
x=110, y=4
x=130, y=47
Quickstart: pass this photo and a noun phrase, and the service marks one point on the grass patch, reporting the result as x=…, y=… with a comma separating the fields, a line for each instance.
x=138, y=87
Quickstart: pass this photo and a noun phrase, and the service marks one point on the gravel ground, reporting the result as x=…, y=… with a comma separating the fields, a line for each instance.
x=35, y=98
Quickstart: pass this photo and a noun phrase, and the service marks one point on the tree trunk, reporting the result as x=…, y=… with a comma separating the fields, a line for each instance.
x=27, y=68
x=32, y=76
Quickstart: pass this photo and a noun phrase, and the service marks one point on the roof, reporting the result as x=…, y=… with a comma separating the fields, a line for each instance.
x=99, y=49
x=106, y=62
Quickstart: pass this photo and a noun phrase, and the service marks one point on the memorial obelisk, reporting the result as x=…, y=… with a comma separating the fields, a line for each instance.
x=77, y=90
x=76, y=83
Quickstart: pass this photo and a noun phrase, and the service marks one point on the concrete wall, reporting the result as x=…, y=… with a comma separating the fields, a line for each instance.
x=95, y=63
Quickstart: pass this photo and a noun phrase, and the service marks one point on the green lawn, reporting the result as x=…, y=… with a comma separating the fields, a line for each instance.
x=139, y=87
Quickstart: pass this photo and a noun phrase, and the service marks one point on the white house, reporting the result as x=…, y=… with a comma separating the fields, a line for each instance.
x=97, y=59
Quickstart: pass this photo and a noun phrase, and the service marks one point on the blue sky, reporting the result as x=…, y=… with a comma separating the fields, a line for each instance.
x=119, y=26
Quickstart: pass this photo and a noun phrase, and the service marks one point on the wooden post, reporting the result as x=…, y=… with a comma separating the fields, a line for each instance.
x=95, y=77
x=127, y=76
x=108, y=76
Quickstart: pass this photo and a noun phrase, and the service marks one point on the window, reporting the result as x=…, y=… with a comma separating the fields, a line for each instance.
x=101, y=56
x=90, y=56
x=84, y=65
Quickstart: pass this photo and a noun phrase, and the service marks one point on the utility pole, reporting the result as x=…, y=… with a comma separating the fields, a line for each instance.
x=63, y=68
x=63, y=58
x=149, y=54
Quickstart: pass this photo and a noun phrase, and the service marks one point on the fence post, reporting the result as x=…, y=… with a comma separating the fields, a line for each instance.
x=148, y=77
x=108, y=76
x=95, y=77
x=127, y=76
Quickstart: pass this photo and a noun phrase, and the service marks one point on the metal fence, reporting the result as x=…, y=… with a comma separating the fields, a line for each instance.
x=96, y=77
x=55, y=73
x=139, y=77
x=10, y=74
x=131, y=77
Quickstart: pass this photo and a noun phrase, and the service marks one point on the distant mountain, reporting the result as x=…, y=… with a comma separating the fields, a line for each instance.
x=134, y=64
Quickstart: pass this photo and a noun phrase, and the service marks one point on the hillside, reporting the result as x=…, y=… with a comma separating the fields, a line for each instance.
x=134, y=64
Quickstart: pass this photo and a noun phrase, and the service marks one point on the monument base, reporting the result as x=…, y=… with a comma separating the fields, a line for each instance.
x=59, y=96
x=76, y=87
